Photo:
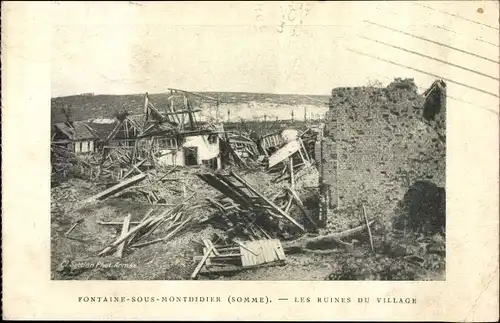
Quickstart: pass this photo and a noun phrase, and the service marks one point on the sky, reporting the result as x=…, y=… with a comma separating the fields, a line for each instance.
x=277, y=47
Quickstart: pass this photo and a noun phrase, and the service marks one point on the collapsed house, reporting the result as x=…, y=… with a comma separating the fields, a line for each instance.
x=177, y=138
x=121, y=131
x=75, y=136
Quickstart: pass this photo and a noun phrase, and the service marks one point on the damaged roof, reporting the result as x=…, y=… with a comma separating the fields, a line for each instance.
x=102, y=127
x=77, y=130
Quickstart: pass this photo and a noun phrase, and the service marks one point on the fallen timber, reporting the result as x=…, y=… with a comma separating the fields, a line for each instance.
x=117, y=188
x=248, y=213
x=307, y=242
x=232, y=258
x=150, y=224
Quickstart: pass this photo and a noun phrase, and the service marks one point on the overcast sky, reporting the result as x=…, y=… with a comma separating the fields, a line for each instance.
x=146, y=47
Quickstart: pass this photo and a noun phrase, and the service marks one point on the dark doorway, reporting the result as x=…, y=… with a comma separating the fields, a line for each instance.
x=190, y=156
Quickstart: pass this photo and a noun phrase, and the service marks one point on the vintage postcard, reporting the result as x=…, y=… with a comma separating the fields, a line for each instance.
x=298, y=160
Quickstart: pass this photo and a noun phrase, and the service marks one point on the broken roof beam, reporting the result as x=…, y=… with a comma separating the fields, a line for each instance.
x=269, y=202
x=156, y=113
x=225, y=189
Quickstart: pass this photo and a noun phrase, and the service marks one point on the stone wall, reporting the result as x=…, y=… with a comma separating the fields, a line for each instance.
x=377, y=143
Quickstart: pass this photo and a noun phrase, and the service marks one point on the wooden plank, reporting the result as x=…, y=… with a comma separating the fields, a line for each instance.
x=145, y=223
x=167, y=173
x=280, y=251
x=176, y=112
x=236, y=188
x=201, y=263
x=126, y=225
x=114, y=131
x=73, y=227
x=134, y=167
x=283, y=153
x=269, y=251
x=262, y=252
x=225, y=189
x=292, y=177
x=305, y=151
x=117, y=188
x=368, y=227
x=208, y=244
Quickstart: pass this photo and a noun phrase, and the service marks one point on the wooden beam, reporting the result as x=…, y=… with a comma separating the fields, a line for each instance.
x=125, y=227
x=308, y=158
x=190, y=113
x=201, y=263
x=146, y=111
x=270, y=203
x=181, y=112
x=144, y=223
x=283, y=153
x=117, y=188
x=134, y=167
x=368, y=227
x=114, y=131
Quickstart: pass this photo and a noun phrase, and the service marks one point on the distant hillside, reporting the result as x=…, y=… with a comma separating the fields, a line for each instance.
x=87, y=106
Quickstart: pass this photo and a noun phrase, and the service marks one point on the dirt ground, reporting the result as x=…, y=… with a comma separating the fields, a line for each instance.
x=75, y=256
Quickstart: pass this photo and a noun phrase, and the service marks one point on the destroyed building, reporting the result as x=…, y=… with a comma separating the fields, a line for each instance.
x=169, y=137
x=75, y=136
x=178, y=138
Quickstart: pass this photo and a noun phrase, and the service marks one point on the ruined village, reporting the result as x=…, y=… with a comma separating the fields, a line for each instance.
x=152, y=187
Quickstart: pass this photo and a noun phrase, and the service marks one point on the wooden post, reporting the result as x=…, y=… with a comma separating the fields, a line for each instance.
x=217, y=111
x=302, y=156
x=125, y=227
x=305, y=151
x=146, y=104
x=368, y=227
x=292, y=179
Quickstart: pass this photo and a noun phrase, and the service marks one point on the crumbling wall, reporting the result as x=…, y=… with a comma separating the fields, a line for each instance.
x=382, y=144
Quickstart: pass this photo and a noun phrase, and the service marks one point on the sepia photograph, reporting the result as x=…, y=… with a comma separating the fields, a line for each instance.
x=188, y=152
x=250, y=160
